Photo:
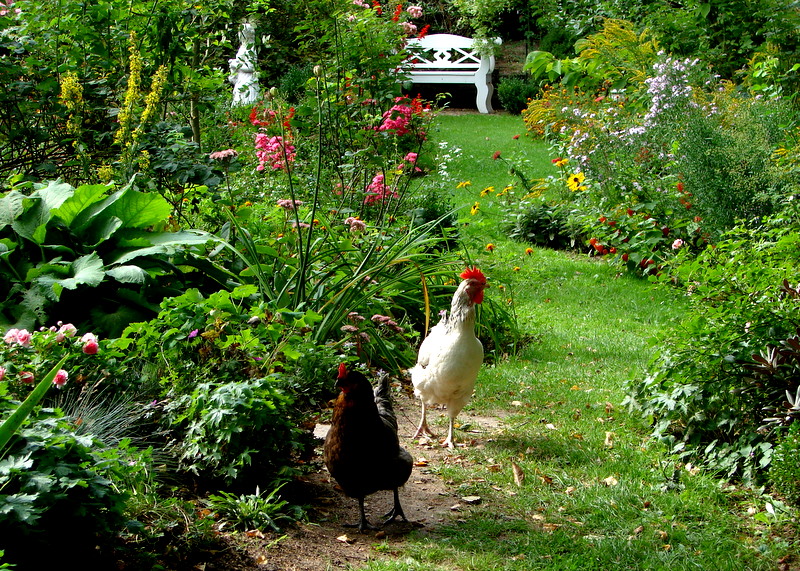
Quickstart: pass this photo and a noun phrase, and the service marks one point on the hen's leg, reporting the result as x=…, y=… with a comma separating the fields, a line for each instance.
x=397, y=510
x=423, y=425
x=363, y=523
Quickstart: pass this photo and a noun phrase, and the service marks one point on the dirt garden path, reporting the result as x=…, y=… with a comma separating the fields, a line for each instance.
x=323, y=543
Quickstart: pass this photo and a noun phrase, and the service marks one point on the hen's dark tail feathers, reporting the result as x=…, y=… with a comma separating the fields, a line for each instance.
x=383, y=398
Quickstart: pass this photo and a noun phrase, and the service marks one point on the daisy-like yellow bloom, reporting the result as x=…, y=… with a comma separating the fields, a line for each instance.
x=516, y=268
x=463, y=184
x=475, y=208
x=490, y=247
x=487, y=190
x=561, y=163
x=528, y=251
x=574, y=181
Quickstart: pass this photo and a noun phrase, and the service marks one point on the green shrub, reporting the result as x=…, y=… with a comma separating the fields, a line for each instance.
x=719, y=382
x=58, y=490
x=515, y=93
x=784, y=473
x=544, y=224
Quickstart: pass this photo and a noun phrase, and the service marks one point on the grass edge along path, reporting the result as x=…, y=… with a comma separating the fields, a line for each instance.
x=571, y=480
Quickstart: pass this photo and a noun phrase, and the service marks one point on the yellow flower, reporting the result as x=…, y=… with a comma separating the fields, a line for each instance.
x=516, y=268
x=561, y=162
x=487, y=190
x=475, y=208
x=528, y=251
x=574, y=181
x=463, y=184
x=490, y=247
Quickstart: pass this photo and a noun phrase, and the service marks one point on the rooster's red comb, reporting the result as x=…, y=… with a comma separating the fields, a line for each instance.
x=473, y=273
x=342, y=371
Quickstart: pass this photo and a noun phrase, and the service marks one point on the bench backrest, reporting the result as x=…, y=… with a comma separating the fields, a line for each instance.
x=447, y=51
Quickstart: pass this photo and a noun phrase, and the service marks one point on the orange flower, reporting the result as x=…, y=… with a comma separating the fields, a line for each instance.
x=490, y=247
x=528, y=251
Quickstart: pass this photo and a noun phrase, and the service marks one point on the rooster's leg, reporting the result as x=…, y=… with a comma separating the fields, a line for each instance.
x=449, y=442
x=423, y=429
x=397, y=510
x=363, y=523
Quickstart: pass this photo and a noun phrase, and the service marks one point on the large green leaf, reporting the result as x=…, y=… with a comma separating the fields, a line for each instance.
x=164, y=243
x=87, y=270
x=128, y=274
x=140, y=210
x=32, y=224
x=11, y=207
x=83, y=197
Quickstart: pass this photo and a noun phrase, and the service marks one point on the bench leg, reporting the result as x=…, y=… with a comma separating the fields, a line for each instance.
x=484, y=98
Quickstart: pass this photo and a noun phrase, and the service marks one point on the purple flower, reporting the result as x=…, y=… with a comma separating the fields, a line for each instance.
x=194, y=333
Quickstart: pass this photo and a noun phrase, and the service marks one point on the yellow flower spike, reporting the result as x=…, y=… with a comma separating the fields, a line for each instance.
x=463, y=184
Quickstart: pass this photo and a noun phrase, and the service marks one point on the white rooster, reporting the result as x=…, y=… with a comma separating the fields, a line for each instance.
x=450, y=356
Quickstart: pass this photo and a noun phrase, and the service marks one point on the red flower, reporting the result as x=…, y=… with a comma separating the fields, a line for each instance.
x=680, y=187
x=397, y=12
x=424, y=32
x=665, y=231
x=593, y=241
x=377, y=6
x=26, y=377
x=630, y=212
x=496, y=155
x=515, y=137
x=602, y=219
x=612, y=250
x=625, y=257
x=612, y=222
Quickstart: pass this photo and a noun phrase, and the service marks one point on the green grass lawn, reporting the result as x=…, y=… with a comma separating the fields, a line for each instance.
x=597, y=493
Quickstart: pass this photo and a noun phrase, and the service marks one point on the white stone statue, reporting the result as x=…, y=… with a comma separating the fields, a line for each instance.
x=243, y=68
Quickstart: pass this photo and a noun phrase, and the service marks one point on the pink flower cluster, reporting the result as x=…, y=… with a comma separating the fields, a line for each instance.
x=397, y=119
x=378, y=190
x=23, y=338
x=227, y=155
x=273, y=151
x=5, y=8
x=414, y=11
x=387, y=322
x=356, y=225
x=289, y=204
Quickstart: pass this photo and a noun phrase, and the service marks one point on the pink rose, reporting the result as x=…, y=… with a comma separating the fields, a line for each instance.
x=61, y=378
x=66, y=330
x=90, y=346
x=26, y=377
x=677, y=244
x=11, y=336
x=24, y=337
x=2, y=373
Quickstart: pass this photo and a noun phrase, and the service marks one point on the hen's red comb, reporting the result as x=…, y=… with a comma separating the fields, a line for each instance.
x=473, y=273
x=342, y=371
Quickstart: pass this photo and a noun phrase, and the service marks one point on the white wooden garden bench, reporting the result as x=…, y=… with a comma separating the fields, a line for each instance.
x=447, y=58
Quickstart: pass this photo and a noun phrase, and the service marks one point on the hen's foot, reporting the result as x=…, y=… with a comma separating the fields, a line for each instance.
x=363, y=525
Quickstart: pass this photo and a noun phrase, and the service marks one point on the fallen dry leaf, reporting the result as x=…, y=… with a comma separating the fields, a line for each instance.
x=421, y=462
x=345, y=539
x=577, y=436
x=550, y=426
x=550, y=527
x=570, y=490
x=494, y=467
x=611, y=481
x=516, y=403
x=638, y=530
x=519, y=475
x=471, y=499
x=255, y=533
x=609, y=442
x=546, y=479
x=609, y=408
